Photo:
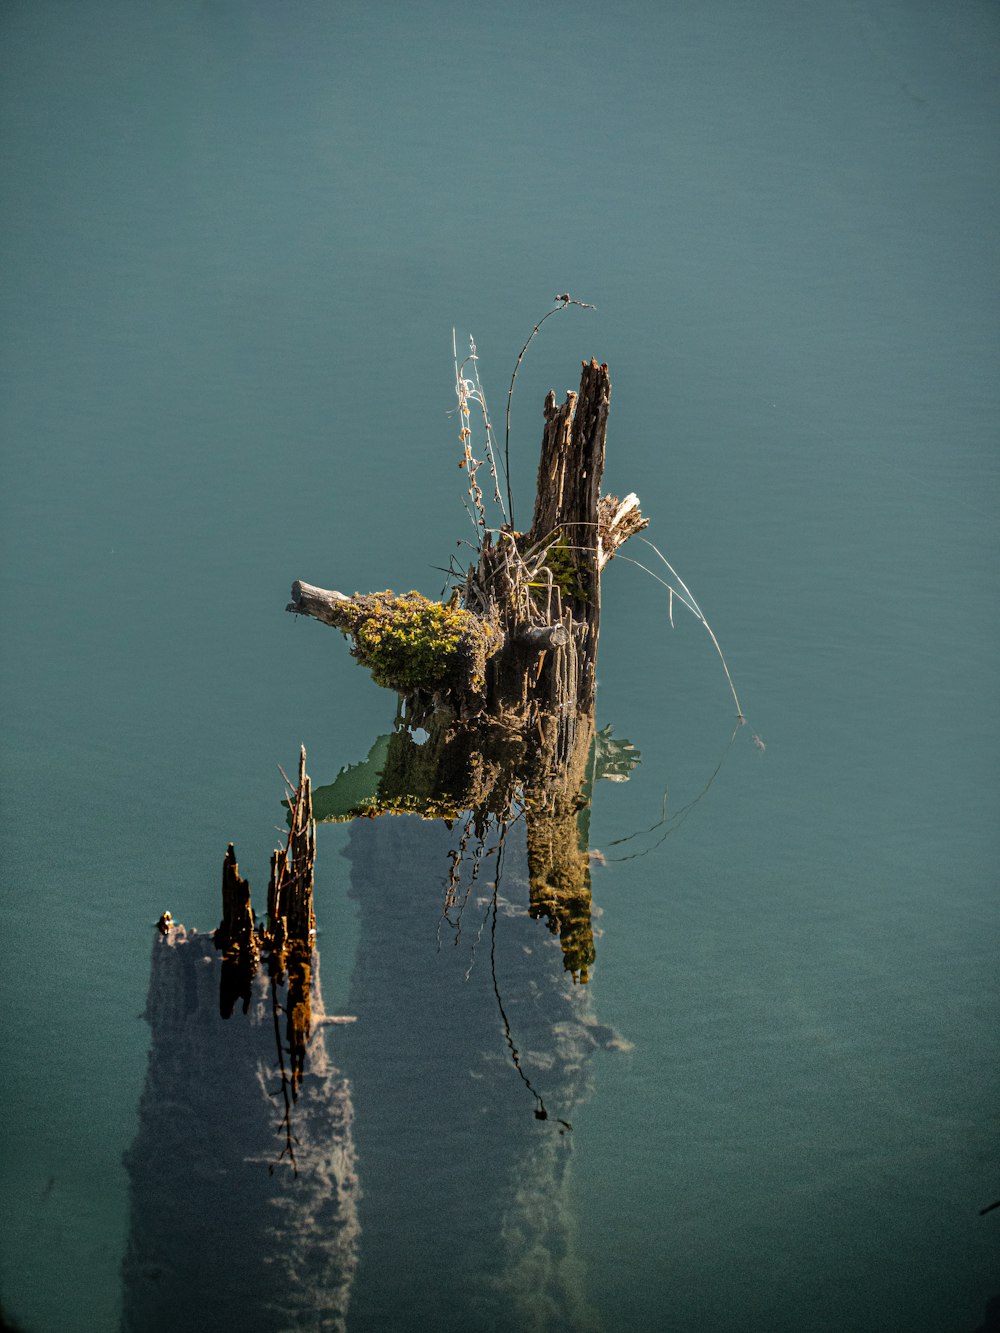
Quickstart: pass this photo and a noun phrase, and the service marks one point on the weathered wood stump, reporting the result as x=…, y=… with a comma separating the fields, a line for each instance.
x=503, y=676
x=516, y=648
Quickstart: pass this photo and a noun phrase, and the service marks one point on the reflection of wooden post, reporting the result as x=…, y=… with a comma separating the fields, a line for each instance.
x=558, y=864
x=490, y=773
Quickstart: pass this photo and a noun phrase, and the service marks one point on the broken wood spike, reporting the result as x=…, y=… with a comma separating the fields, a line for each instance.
x=290, y=926
x=236, y=938
x=617, y=520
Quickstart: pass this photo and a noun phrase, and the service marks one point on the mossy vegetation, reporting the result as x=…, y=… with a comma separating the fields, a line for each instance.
x=565, y=572
x=408, y=642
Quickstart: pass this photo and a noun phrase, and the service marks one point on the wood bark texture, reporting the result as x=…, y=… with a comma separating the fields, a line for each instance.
x=320, y=603
x=540, y=590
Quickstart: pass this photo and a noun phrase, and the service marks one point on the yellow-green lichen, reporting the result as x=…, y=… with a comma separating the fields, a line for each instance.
x=408, y=642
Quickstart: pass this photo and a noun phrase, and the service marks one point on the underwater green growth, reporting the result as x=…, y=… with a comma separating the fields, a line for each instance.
x=408, y=642
x=374, y=807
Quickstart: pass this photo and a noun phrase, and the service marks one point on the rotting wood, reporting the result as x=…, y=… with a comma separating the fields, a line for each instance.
x=236, y=938
x=320, y=603
x=286, y=935
x=537, y=593
x=290, y=916
x=517, y=730
x=541, y=637
x=293, y=922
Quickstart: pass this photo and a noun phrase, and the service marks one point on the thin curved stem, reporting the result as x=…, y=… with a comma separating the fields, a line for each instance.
x=695, y=610
x=564, y=301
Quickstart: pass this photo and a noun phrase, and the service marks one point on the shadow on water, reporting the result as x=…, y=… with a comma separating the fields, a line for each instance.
x=243, y=1177
x=452, y=1081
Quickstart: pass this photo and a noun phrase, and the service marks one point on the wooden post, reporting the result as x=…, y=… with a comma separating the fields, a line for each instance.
x=289, y=932
x=236, y=938
x=566, y=511
x=290, y=891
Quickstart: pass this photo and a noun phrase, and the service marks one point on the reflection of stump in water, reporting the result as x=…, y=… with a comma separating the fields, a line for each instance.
x=467, y=1217
x=478, y=781
x=558, y=864
x=223, y=1235
x=503, y=676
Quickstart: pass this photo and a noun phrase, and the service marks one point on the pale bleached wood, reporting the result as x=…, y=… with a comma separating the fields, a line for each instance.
x=320, y=603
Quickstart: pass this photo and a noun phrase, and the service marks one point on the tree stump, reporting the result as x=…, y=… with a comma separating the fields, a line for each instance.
x=517, y=646
x=503, y=676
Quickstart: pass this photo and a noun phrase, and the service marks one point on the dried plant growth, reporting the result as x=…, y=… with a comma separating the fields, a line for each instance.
x=686, y=598
x=469, y=393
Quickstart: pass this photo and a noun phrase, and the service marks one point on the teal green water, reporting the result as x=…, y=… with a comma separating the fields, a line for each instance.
x=237, y=239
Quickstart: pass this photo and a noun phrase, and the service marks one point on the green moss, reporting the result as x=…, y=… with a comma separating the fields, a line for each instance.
x=408, y=642
x=565, y=573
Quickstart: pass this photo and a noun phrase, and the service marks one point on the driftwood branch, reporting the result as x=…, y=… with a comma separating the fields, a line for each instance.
x=327, y=605
x=320, y=603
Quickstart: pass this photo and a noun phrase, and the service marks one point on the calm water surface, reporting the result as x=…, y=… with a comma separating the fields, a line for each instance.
x=237, y=241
